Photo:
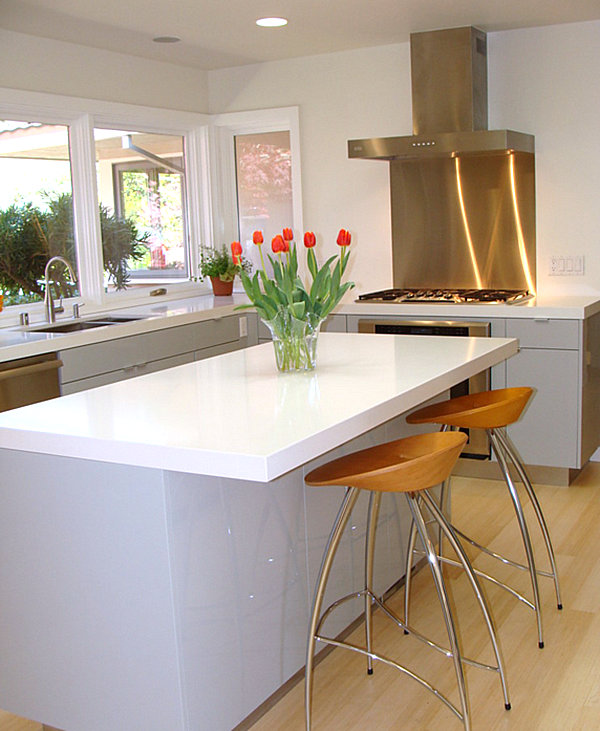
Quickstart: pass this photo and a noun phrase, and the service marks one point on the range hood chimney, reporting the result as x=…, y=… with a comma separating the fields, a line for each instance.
x=449, y=81
x=449, y=102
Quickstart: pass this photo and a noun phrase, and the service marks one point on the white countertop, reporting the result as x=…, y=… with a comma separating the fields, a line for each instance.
x=21, y=343
x=235, y=416
x=560, y=308
x=15, y=343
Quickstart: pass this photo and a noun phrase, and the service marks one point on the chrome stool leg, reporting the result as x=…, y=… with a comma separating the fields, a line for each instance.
x=374, y=503
x=408, y=576
x=328, y=556
x=515, y=458
x=445, y=604
x=501, y=456
x=444, y=504
x=457, y=547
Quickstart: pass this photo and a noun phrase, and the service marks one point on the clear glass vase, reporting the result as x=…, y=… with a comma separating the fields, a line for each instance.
x=294, y=341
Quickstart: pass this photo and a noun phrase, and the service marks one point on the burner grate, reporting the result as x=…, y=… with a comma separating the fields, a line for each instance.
x=460, y=296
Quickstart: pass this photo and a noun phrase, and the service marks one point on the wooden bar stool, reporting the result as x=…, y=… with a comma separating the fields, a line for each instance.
x=492, y=411
x=410, y=465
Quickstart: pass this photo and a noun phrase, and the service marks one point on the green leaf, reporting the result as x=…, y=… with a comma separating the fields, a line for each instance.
x=298, y=309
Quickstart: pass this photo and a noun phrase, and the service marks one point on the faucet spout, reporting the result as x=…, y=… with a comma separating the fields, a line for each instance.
x=49, y=307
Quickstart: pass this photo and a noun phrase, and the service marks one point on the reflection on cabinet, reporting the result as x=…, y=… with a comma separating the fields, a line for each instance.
x=115, y=360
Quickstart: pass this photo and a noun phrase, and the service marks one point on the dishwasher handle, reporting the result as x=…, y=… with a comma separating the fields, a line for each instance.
x=30, y=370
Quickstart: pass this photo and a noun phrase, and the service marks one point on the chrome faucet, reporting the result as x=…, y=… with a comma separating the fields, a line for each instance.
x=49, y=307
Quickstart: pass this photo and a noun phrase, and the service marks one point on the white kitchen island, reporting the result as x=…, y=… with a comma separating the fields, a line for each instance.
x=157, y=544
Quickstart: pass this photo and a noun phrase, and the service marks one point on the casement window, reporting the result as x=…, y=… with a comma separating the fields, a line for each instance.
x=263, y=150
x=141, y=179
x=36, y=206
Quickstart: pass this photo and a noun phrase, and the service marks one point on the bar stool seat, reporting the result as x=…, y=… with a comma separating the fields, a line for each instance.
x=493, y=411
x=411, y=466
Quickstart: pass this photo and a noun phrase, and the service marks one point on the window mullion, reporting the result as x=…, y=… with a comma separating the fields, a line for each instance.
x=199, y=193
x=85, y=208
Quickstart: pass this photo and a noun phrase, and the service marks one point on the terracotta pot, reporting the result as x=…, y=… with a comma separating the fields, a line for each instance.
x=221, y=288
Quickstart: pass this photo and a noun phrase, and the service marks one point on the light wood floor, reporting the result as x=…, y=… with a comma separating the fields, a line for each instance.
x=554, y=688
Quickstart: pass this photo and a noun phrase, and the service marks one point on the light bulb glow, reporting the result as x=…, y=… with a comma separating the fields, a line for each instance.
x=271, y=22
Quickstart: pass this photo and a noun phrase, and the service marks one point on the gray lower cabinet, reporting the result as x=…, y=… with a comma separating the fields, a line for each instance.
x=560, y=359
x=94, y=365
x=547, y=433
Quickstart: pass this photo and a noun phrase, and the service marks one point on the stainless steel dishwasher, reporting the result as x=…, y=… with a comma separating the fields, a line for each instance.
x=29, y=380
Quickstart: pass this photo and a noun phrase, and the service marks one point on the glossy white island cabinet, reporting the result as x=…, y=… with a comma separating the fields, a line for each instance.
x=157, y=544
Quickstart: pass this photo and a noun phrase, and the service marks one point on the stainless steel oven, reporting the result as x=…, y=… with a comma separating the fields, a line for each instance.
x=478, y=445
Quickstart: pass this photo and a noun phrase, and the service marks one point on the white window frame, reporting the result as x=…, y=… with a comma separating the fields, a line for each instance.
x=224, y=128
x=82, y=116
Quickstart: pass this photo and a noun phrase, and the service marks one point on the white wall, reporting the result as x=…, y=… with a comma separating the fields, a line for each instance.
x=547, y=81
x=541, y=80
x=39, y=64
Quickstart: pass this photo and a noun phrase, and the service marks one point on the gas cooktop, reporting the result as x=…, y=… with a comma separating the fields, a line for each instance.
x=456, y=296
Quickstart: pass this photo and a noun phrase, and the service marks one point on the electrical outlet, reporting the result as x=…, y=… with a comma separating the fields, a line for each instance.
x=567, y=266
x=243, y=326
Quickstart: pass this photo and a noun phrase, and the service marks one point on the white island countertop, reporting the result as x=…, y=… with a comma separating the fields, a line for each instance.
x=234, y=416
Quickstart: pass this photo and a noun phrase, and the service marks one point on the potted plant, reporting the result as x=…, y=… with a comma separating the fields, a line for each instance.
x=221, y=267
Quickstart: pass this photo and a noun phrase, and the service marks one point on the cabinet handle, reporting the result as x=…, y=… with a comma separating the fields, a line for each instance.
x=541, y=319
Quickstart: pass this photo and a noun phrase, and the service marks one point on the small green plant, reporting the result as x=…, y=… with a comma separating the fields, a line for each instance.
x=219, y=263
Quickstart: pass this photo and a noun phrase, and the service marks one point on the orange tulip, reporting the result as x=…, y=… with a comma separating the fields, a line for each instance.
x=309, y=239
x=257, y=237
x=278, y=244
x=343, y=238
x=287, y=234
x=236, y=252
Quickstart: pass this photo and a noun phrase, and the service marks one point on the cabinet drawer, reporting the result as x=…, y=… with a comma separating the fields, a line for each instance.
x=137, y=350
x=559, y=334
x=123, y=374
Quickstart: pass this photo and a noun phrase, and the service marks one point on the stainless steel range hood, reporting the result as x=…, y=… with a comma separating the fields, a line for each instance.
x=462, y=196
x=449, y=102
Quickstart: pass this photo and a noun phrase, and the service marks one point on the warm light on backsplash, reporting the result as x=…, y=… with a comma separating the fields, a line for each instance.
x=520, y=237
x=466, y=225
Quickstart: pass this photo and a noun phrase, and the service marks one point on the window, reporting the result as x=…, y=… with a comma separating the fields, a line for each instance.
x=36, y=208
x=264, y=185
x=141, y=189
x=259, y=159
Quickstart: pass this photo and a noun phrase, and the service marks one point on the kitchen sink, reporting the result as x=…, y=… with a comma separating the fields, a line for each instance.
x=70, y=326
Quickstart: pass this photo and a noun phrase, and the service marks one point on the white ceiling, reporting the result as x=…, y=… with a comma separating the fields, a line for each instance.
x=222, y=33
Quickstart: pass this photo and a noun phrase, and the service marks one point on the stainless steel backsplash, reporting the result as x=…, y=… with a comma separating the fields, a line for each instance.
x=464, y=221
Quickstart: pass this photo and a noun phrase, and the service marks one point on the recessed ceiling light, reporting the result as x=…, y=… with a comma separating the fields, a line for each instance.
x=166, y=39
x=271, y=22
